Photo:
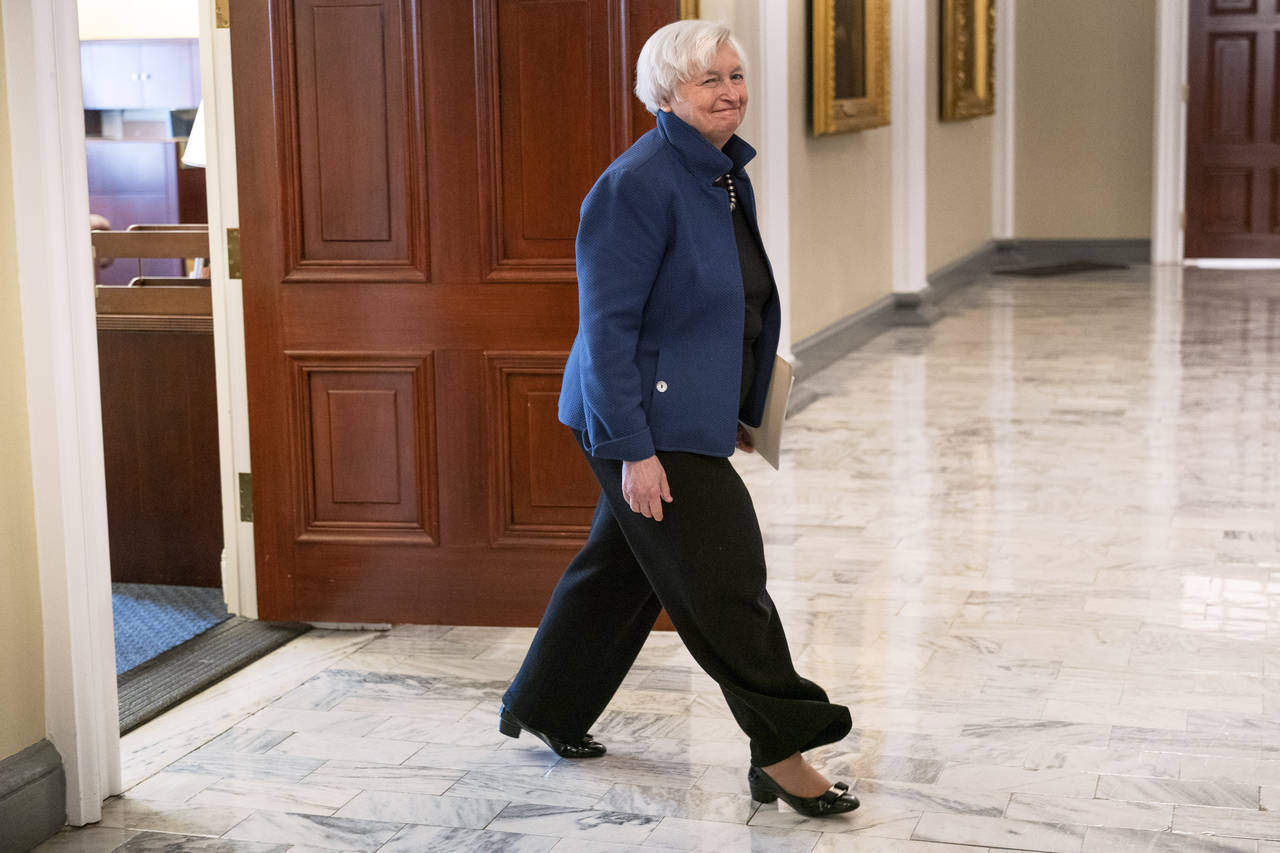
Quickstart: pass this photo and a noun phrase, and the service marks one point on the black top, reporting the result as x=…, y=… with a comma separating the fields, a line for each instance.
x=756, y=287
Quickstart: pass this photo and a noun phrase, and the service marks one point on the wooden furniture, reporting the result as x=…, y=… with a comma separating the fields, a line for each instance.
x=132, y=182
x=159, y=417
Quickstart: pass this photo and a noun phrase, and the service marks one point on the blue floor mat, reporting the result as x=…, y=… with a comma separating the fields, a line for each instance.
x=153, y=618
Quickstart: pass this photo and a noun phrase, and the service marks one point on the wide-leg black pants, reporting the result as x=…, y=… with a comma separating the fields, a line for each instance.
x=704, y=563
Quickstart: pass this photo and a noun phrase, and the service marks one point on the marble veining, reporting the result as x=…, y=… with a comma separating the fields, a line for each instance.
x=1034, y=547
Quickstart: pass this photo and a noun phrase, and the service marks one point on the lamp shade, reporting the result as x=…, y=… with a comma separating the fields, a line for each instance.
x=194, y=153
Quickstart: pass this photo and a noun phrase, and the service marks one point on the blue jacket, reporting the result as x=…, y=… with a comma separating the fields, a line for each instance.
x=657, y=362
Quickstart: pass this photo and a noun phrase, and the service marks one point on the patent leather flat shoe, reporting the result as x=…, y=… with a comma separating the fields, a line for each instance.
x=835, y=800
x=584, y=747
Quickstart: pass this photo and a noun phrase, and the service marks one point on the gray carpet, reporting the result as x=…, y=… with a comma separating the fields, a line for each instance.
x=150, y=689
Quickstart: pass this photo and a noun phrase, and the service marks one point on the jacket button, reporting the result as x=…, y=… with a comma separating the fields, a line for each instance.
x=661, y=386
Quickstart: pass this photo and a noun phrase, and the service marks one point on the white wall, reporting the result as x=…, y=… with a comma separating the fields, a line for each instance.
x=841, y=208
x=138, y=19
x=1086, y=107
x=21, y=675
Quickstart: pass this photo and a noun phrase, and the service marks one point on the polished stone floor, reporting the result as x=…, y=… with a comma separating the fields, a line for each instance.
x=1034, y=547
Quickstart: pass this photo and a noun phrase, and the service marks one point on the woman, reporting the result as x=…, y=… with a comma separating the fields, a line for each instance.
x=678, y=328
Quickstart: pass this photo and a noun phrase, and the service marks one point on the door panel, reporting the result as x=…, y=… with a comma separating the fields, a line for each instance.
x=410, y=177
x=1231, y=87
x=358, y=199
x=1275, y=201
x=1233, y=129
x=539, y=207
x=543, y=489
x=370, y=431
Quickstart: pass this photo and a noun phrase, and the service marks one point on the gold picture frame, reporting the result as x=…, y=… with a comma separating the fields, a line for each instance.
x=849, y=58
x=968, y=59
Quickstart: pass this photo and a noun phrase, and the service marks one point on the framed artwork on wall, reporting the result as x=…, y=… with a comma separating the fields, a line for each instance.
x=968, y=59
x=849, y=62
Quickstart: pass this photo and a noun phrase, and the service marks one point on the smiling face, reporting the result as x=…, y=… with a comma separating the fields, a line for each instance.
x=714, y=102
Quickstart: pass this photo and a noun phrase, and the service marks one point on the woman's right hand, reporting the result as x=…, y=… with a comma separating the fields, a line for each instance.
x=644, y=487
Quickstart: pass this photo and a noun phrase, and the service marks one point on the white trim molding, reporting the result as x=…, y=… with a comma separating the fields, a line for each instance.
x=1003, y=128
x=239, y=579
x=1169, y=190
x=909, y=24
x=55, y=280
x=1234, y=263
x=775, y=184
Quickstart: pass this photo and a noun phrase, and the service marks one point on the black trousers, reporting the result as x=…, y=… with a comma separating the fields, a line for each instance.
x=704, y=563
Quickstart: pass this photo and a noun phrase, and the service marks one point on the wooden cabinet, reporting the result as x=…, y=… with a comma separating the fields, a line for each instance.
x=142, y=74
x=160, y=434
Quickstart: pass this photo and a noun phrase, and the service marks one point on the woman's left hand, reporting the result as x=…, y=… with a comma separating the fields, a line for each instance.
x=744, y=440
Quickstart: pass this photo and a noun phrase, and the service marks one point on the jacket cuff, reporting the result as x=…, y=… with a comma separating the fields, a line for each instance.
x=628, y=448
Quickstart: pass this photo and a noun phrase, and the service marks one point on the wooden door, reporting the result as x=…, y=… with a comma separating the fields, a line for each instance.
x=1233, y=130
x=410, y=173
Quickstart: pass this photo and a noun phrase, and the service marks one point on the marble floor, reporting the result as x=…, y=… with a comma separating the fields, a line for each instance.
x=1034, y=547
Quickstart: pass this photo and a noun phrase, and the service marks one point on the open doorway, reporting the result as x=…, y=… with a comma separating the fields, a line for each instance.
x=178, y=607
x=148, y=209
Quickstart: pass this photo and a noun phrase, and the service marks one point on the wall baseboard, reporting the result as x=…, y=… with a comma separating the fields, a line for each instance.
x=923, y=308
x=33, y=797
x=962, y=272
x=1028, y=252
x=842, y=337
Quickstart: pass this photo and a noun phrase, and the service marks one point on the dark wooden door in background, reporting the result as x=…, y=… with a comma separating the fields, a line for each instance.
x=1233, y=130
x=410, y=173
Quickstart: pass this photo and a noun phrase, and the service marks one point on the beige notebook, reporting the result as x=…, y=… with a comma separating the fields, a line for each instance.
x=767, y=438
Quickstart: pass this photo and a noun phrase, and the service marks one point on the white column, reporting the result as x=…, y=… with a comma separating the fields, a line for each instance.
x=55, y=279
x=1003, y=130
x=1170, y=132
x=909, y=105
x=775, y=150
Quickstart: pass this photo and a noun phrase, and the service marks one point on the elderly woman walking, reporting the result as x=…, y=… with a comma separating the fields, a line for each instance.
x=679, y=321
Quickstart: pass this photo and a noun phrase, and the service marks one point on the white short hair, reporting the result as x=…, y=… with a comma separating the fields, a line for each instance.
x=676, y=54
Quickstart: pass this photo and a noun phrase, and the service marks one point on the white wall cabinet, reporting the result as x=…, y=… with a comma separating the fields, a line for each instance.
x=140, y=74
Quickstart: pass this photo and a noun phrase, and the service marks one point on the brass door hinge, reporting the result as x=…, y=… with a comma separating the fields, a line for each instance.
x=1184, y=220
x=246, y=497
x=689, y=10
x=233, y=252
x=1186, y=94
x=222, y=14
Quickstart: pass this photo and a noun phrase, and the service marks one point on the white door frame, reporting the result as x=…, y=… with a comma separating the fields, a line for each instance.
x=60, y=347
x=1169, y=181
x=239, y=578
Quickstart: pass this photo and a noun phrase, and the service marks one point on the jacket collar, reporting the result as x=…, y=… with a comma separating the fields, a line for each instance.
x=700, y=156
